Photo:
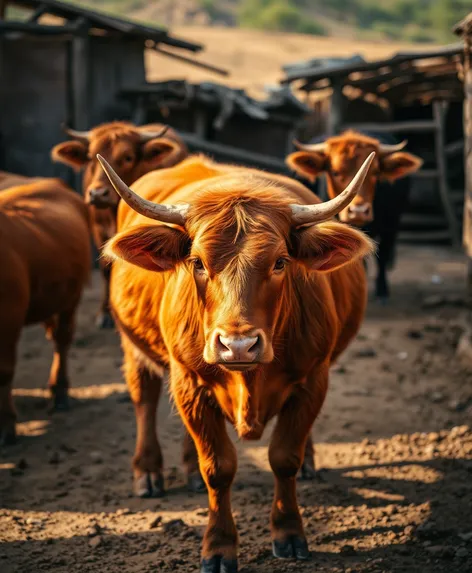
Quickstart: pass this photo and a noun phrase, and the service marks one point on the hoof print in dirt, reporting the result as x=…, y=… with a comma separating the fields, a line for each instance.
x=149, y=485
x=218, y=564
x=195, y=484
x=104, y=321
x=292, y=548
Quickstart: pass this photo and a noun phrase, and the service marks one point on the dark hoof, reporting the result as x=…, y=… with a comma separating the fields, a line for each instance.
x=218, y=564
x=195, y=483
x=292, y=548
x=8, y=435
x=308, y=471
x=149, y=485
x=104, y=321
x=59, y=403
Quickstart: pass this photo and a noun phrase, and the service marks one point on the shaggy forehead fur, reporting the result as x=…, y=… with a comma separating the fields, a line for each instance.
x=349, y=143
x=248, y=219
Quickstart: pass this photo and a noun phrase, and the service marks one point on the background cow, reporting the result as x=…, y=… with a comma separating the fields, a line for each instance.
x=8, y=180
x=379, y=205
x=132, y=151
x=236, y=297
x=45, y=263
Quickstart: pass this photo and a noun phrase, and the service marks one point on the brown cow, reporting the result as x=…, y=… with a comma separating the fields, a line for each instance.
x=8, y=180
x=45, y=263
x=247, y=295
x=132, y=151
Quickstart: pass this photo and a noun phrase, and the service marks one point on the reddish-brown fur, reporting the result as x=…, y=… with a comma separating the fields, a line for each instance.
x=119, y=143
x=239, y=223
x=44, y=265
x=342, y=159
x=8, y=180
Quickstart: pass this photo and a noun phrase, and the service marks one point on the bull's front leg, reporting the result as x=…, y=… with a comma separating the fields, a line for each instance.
x=286, y=455
x=217, y=459
x=104, y=318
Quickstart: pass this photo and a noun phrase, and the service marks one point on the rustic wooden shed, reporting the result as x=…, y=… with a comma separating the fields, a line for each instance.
x=62, y=63
x=414, y=95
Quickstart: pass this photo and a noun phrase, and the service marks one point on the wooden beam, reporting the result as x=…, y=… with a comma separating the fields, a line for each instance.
x=454, y=148
x=3, y=9
x=40, y=11
x=196, y=63
x=397, y=127
x=338, y=105
x=439, y=112
x=7, y=26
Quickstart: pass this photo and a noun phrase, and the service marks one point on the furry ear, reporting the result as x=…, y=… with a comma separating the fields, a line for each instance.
x=151, y=247
x=397, y=165
x=158, y=152
x=329, y=246
x=71, y=153
x=308, y=164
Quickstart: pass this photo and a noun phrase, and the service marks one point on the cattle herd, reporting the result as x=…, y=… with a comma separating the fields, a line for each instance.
x=238, y=282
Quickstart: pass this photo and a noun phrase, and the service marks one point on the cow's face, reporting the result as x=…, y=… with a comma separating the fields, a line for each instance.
x=341, y=157
x=125, y=148
x=242, y=253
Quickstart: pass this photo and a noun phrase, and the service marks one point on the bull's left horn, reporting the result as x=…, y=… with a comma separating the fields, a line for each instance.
x=385, y=149
x=303, y=214
x=80, y=135
x=315, y=147
x=148, y=135
x=175, y=214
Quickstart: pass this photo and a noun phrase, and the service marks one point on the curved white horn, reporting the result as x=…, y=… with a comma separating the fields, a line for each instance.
x=148, y=135
x=385, y=149
x=319, y=147
x=175, y=214
x=80, y=135
x=302, y=214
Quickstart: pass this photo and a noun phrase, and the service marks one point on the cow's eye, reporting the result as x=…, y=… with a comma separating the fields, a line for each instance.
x=198, y=265
x=128, y=158
x=280, y=264
x=335, y=173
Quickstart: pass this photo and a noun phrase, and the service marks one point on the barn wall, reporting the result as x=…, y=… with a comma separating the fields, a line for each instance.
x=33, y=103
x=115, y=63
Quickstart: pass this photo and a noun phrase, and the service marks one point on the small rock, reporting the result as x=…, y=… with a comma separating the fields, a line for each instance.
x=33, y=521
x=462, y=553
x=123, y=511
x=442, y=551
x=433, y=301
x=466, y=536
x=174, y=524
x=365, y=353
x=458, y=405
x=93, y=531
x=95, y=542
x=96, y=457
x=437, y=397
x=436, y=280
x=402, y=355
x=348, y=550
x=155, y=522
x=414, y=334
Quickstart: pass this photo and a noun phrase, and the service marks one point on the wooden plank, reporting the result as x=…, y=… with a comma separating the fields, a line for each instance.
x=422, y=220
x=338, y=104
x=235, y=154
x=33, y=28
x=40, y=11
x=3, y=8
x=424, y=236
x=439, y=112
x=397, y=127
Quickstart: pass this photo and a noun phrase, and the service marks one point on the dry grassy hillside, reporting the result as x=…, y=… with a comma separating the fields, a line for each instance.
x=254, y=58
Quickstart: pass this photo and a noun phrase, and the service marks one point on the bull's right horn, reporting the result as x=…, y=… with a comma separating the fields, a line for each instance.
x=386, y=149
x=83, y=136
x=174, y=214
x=303, y=214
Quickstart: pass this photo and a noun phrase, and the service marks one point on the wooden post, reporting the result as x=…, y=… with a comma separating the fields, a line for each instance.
x=439, y=111
x=336, y=115
x=80, y=87
x=3, y=9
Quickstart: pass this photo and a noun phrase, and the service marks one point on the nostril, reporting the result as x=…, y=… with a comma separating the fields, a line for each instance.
x=105, y=193
x=223, y=343
x=255, y=347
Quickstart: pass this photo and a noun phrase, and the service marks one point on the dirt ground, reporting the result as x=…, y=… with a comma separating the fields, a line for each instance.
x=394, y=492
